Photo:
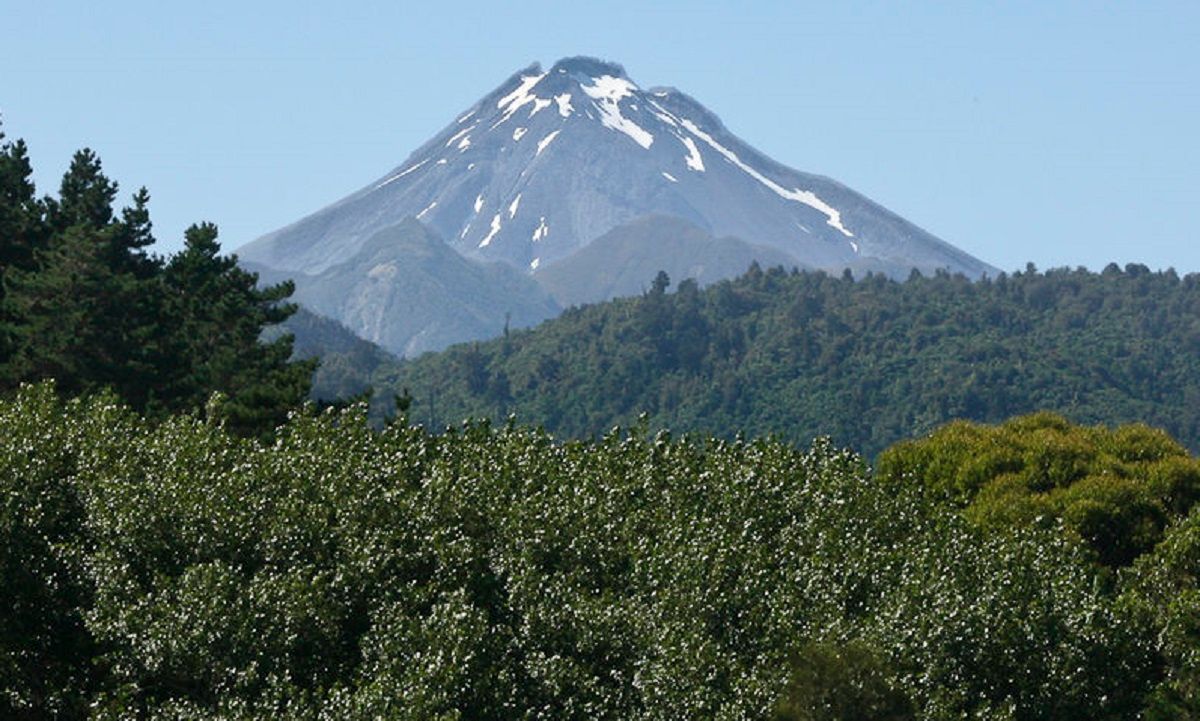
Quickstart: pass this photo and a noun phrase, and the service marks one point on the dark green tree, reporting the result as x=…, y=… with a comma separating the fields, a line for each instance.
x=22, y=229
x=83, y=301
x=220, y=313
x=85, y=196
x=86, y=311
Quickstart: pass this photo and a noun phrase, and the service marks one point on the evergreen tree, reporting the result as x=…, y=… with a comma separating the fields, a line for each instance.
x=20, y=211
x=87, y=307
x=21, y=230
x=220, y=314
x=61, y=305
x=83, y=301
x=85, y=196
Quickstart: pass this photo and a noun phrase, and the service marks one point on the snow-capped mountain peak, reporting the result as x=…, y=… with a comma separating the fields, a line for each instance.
x=554, y=158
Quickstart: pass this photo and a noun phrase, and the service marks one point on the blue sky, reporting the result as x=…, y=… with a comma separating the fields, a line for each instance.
x=1057, y=133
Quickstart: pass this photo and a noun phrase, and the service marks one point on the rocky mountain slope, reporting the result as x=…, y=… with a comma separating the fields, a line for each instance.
x=551, y=161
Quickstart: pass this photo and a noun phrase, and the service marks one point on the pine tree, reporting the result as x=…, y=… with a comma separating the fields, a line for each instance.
x=220, y=314
x=22, y=229
x=21, y=223
x=87, y=310
x=85, y=196
x=83, y=301
x=60, y=335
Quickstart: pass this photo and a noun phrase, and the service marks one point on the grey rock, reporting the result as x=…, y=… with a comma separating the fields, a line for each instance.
x=624, y=261
x=409, y=292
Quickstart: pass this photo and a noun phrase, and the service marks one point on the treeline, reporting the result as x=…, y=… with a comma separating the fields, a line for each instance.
x=84, y=301
x=866, y=361
x=174, y=570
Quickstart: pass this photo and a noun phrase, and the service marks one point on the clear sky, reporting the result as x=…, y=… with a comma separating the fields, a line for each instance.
x=1057, y=133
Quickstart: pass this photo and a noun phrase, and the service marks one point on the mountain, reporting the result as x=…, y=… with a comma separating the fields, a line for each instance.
x=615, y=264
x=409, y=292
x=552, y=160
x=347, y=361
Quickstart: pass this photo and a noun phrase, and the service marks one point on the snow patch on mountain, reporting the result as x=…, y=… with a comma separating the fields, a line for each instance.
x=801, y=196
x=564, y=104
x=693, y=159
x=401, y=174
x=492, y=232
x=454, y=138
x=546, y=141
x=520, y=97
x=606, y=94
x=663, y=117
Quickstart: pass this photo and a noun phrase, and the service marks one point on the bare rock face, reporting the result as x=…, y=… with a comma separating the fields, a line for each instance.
x=409, y=292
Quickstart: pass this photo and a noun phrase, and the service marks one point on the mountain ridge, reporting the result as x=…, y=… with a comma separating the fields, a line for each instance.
x=409, y=292
x=866, y=361
x=552, y=159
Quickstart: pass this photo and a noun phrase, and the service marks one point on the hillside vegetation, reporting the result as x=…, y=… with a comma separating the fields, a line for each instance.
x=868, y=362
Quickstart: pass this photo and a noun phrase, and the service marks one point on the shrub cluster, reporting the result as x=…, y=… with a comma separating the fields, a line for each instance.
x=1116, y=489
x=176, y=570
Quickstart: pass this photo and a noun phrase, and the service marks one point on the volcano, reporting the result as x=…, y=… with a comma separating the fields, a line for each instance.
x=552, y=161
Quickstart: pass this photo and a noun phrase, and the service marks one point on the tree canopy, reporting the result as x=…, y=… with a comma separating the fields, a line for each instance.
x=868, y=362
x=83, y=301
x=175, y=570
x=1117, y=489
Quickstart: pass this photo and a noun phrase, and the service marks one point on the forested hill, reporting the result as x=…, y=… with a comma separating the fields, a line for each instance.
x=867, y=362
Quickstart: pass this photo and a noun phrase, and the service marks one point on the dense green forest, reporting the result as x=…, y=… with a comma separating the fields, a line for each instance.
x=83, y=301
x=182, y=537
x=868, y=362
x=177, y=570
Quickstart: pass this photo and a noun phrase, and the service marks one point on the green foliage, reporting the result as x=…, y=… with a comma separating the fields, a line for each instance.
x=83, y=302
x=1164, y=588
x=868, y=363
x=850, y=683
x=45, y=651
x=222, y=315
x=1115, y=489
x=1012, y=626
x=347, y=362
x=22, y=229
x=176, y=570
